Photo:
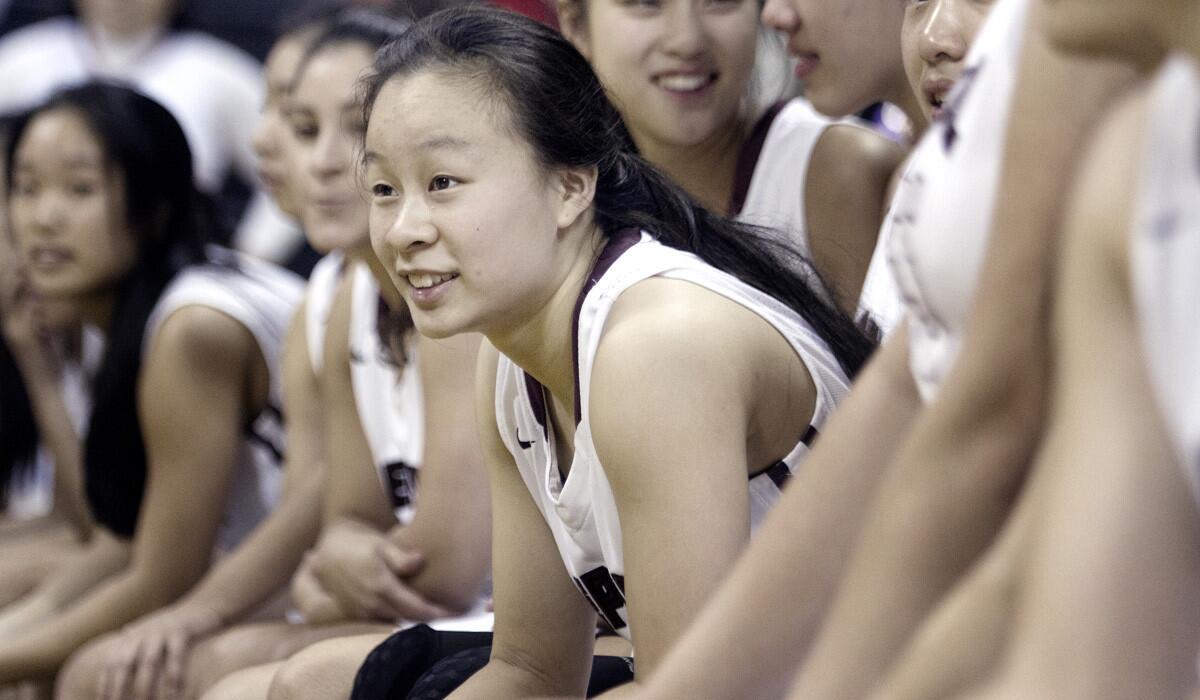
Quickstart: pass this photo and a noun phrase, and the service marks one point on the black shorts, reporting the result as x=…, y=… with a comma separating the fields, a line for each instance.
x=424, y=664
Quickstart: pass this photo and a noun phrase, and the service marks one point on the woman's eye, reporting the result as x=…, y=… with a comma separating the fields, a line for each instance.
x=441, y=182
x=381, y=190
x=304, y=132
x=83, y=189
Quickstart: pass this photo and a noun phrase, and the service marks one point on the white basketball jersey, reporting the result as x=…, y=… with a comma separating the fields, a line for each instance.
x=581, y=511
x=318, y=303
x=391, y=408
x=939, y=225
x=1165, y=255
x=773, y=167
x=262, y=298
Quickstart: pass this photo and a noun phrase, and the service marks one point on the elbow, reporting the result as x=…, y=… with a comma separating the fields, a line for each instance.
x=458, y=592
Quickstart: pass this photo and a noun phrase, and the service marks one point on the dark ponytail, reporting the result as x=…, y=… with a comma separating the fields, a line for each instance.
x=560, y=108
x=172, y=224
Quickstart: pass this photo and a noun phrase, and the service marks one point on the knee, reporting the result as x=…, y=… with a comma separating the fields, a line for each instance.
x=80, y=677
x=214, y=658
x=314, y=673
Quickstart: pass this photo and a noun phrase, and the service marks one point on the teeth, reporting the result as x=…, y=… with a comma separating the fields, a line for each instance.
x=426, y=281
x=683, y=83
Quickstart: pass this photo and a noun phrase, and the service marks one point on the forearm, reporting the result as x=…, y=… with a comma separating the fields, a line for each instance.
x=83, y=571
x=449, y=578
x=41, y=373
x=737, y=649
x=265, y=562
x=39, y=652
x=942, y=502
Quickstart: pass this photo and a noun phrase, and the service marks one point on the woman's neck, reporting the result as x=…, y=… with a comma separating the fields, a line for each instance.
x=706, y=170
x=542, y=343
x=96, y=310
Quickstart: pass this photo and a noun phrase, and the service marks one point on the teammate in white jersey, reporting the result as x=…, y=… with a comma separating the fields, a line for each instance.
x=210, y=86
x=667, y=384
x=105, y=212
x=1100, y=571
x=938, y=462
x=684, y=75
x=365, y=572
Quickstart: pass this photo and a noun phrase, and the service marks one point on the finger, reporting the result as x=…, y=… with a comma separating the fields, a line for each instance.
x=116, y=675
x=405, y=603
x=148, y=665
x=177, y=648
x=401, y=561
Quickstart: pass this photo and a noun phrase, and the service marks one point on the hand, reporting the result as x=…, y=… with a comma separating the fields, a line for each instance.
x=20, y=306
x=366, y=573
x=147, y=659
x=315, y=604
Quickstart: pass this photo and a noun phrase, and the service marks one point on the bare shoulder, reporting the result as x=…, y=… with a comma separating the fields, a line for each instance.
x=851, y=155
x=671, y=332
x=1101, y=206
x=202, y=338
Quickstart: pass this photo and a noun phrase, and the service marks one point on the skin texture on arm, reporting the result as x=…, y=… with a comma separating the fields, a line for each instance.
x=737, y=649
x=544, y=627
x=953, y=482
x=1108, y=600
x=678, y=451
x=434, y=565
x=452, y=525
x=845, y=195
x=259, y=567
x=194, y=381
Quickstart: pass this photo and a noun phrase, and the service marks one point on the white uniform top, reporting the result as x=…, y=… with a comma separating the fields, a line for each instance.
x=262, y=298
x=391, y=408
x=938, y=229
x=773, y=166
x=318, y=302
x=1165, y=255
x=581, y=512
x=212, y=88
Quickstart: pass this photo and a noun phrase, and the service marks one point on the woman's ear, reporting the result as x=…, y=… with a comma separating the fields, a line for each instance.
x=573, y=24
x=577, y=189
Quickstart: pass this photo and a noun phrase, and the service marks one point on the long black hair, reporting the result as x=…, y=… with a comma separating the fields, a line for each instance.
x=560, y=108
x=172, y=224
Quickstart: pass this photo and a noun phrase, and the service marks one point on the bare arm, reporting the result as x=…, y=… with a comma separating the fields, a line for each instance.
x=452, y=525
x=544, y=628
x=953, y=483
x=845, y=195
x=736, y=649
x=262, y=564
x=193, y=382
x=259, y=567
x=1109, y=603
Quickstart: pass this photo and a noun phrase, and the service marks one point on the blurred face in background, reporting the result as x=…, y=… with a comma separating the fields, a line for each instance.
x=935, y=39
x=67, y=207
x=678, y=70
x=847, y=52
x=273, y=141
x=125, y=18
x=327, y=124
